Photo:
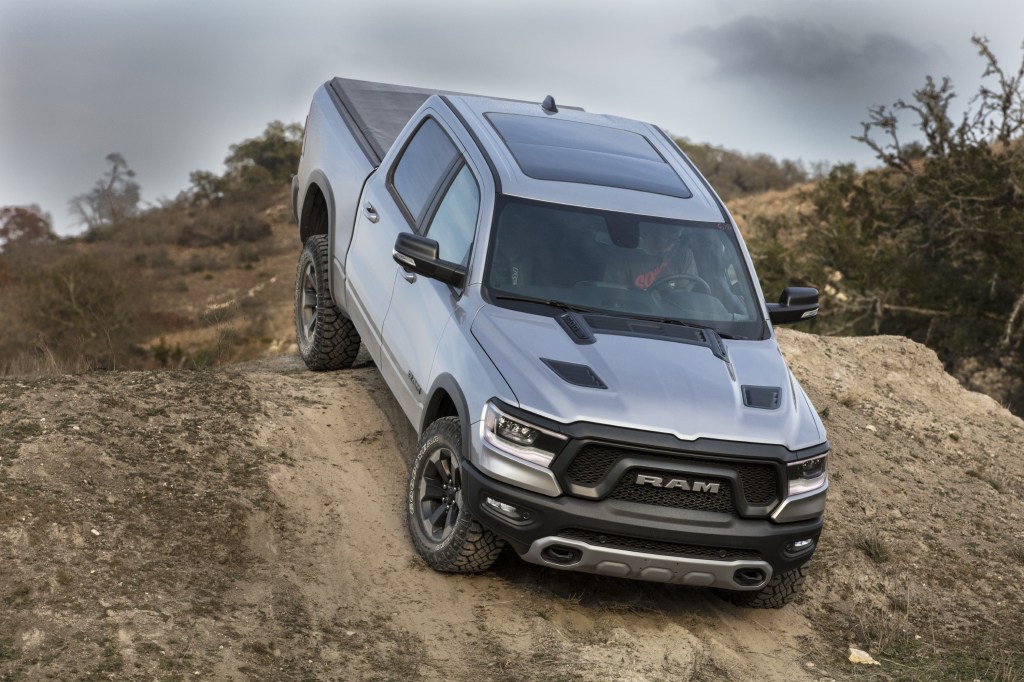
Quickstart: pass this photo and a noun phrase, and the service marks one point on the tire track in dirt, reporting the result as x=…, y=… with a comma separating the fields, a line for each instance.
x=339, y=541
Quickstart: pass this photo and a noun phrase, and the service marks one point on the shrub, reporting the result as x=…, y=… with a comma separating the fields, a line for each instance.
x=931, y=245
x=77, y=307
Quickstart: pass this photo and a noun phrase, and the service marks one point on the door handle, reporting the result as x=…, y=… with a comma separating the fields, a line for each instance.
x=408, y=276
x=371, y=212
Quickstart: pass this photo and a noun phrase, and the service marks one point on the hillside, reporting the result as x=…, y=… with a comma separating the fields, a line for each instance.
x=246, y=523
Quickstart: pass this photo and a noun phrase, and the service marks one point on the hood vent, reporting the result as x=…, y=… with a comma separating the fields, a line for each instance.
x=763, y=397
x=579, y=375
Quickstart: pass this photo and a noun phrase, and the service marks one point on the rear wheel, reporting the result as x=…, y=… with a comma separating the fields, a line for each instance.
x=326, y=338
x=779, y=591
x=443, y=529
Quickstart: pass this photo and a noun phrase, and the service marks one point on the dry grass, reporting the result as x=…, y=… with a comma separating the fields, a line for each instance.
x=874, y=548
x=217, y=292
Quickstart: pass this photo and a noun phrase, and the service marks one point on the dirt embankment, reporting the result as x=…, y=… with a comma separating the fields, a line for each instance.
x=246, y=523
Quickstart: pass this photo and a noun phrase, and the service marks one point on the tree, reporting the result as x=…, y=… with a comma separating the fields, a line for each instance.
x=24, y=225
x=207, y=187
x=276, y=151
x=943, y=224
x=254, y=166
x=930, y=245
x=734, y=174
x=114, y=197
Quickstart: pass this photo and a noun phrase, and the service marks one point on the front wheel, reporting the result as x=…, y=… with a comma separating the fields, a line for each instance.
x=327, y=339
x=779, y=591
x=443, y=529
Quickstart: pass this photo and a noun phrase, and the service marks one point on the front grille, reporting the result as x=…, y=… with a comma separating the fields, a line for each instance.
x=592, y=463
x=656, y=546
x=759, y=487
x=628, y=490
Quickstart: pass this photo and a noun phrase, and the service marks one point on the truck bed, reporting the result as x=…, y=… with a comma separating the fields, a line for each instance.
x=377, y=112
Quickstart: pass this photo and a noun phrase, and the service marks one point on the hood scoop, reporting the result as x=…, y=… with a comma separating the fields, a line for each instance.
x=578, y=375
x=762, y=397
x=576, y=327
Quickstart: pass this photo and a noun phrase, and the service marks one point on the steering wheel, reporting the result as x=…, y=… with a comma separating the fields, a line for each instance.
x=674, y=283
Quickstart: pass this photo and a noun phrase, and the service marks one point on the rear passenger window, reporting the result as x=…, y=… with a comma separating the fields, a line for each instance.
x=424, y=164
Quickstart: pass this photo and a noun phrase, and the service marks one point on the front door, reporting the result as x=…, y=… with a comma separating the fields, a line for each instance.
x=422, y=307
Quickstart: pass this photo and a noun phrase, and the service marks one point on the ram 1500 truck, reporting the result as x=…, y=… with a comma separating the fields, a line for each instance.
x=569, y=318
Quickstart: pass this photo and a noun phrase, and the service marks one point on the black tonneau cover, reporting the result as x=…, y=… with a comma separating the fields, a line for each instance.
x=377, y=112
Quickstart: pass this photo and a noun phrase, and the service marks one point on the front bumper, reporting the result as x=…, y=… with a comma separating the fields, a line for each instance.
x=631, y=540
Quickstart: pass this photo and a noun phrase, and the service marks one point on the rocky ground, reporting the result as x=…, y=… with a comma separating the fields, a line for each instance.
x=246, y=523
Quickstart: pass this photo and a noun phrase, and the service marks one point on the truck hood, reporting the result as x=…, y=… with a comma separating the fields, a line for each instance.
x=651, y=383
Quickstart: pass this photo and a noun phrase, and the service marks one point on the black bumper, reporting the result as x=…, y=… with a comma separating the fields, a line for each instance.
x=615, y=521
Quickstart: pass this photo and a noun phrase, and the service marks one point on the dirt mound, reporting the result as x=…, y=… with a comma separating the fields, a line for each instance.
x=248, y=525
x=922, y=556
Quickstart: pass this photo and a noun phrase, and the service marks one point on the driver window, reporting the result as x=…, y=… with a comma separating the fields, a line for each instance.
x=454, y=223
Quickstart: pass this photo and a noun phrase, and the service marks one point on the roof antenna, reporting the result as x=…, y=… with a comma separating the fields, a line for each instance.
x=549, y=106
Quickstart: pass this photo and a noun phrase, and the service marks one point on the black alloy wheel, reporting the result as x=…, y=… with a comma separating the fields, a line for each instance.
x=440, y=494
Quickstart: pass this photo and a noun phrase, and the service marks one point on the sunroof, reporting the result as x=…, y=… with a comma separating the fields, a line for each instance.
x=570, y=151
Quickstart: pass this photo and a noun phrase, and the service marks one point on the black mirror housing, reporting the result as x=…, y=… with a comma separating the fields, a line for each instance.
x=796, y=304
x=420, y=255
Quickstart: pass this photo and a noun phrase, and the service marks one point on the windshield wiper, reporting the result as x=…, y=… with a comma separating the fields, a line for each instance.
x=680, y=323
x=570, y=320
x=711, y=335
x=561, y=305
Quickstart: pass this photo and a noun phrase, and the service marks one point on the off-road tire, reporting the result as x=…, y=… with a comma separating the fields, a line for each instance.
x=461, y=544
x=779, y=591
x=326, y=337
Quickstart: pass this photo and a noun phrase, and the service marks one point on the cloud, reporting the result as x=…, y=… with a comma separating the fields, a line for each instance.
x=757, y=47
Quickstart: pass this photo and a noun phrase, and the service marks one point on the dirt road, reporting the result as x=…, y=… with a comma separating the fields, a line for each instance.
x=340, y=541
x=246, y=523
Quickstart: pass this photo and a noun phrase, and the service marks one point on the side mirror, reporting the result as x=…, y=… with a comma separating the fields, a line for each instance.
x=419, y=254
x=795, y=305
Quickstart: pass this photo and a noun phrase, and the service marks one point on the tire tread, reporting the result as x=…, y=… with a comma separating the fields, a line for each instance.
x=470, y=548
x=335, y=342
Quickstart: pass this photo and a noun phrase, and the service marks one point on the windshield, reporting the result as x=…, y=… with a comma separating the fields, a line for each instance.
x=622, y=264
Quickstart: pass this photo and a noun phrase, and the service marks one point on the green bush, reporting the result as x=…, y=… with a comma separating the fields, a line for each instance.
x=931, y=245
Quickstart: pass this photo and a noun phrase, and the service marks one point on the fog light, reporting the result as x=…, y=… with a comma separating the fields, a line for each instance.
x=799, y=546
x=508, y=510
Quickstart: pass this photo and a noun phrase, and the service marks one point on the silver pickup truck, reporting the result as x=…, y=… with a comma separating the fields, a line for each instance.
x=568, y=316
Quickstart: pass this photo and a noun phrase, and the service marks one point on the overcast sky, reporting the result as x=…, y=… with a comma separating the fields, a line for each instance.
x=170, y=85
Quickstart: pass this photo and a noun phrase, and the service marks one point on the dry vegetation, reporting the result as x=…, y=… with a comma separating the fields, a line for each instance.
x=169, y=289
x=191, y=283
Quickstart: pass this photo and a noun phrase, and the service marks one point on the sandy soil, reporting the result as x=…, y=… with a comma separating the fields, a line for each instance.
x=246, y=523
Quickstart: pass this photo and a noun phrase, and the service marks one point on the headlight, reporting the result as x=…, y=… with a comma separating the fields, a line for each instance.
x=808, y=474
x=519, y=438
